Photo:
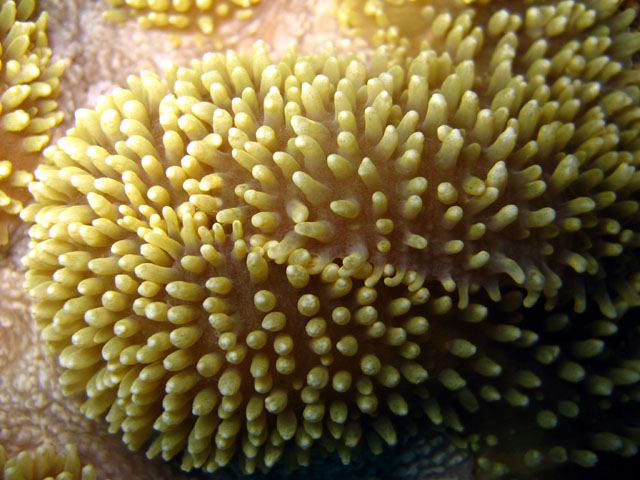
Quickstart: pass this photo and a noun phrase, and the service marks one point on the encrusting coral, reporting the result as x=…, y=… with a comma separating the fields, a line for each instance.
x=203, y=14
x=28, y=109
x=44, y=464
x=247, y=258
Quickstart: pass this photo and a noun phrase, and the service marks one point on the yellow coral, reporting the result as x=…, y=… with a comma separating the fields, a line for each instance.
x=44, y=464
x=399, y=21
x=180, y=13
x=248, y=258
x=28, y=109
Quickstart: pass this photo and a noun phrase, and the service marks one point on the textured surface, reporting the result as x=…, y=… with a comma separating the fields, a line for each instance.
x=28, y=106
x=32, y=409
x=298, y=244
x=77, y=32
x=147, y=316
x=577, y=338
x=181, y=14
x=417, y=456
x=45, y=463
x=31, y=406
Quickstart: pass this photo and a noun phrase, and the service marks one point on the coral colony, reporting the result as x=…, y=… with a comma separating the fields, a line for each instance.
x=28, y=109
x=254, y=259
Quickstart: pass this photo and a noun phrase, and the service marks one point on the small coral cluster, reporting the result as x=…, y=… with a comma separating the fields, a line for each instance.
x=44, y=464
x=247, y=258
x=181, y=14
x=419, y=454
x=390, y=21
x=28, y=109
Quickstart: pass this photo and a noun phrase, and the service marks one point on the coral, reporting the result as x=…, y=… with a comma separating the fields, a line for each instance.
x=27, y=104
x=566, y=382
x=419, y=454
x=44, y=464
x=180, y=13
x=248, y=258
x=14, y=310
x=382, y=13
x=390, y=21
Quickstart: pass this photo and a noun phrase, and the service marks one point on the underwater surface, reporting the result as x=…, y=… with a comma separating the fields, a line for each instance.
x=381, y=239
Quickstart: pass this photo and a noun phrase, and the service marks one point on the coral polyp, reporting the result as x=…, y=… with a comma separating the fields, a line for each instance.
x=45, y=464
x=181, y=14
x=28, y=109
x=247, y=258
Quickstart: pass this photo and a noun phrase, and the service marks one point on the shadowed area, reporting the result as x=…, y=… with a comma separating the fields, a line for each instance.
x=99, y=56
